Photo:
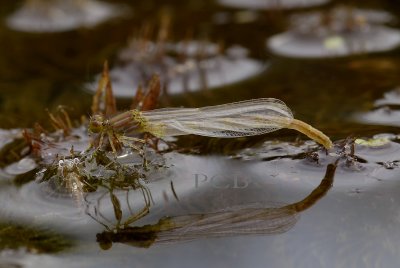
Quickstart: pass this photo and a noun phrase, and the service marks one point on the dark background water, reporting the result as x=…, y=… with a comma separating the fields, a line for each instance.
x=40, y=71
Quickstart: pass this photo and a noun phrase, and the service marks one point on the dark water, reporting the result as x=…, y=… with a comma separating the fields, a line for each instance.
x=356, y=222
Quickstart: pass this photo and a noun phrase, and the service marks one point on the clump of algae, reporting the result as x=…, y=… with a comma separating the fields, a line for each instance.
x=33, y=240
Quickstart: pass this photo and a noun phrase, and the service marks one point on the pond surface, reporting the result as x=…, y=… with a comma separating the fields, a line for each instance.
x=276, y=200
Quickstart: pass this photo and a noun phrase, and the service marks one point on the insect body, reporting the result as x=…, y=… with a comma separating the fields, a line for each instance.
x=98, y=124
x=238, y=119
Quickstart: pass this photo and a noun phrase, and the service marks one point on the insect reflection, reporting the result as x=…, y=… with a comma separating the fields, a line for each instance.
x=239, y=220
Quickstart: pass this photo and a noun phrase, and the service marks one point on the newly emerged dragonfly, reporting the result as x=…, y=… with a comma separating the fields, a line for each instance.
x=238, y=119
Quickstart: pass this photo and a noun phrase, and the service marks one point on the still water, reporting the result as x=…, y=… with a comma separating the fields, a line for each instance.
x=270, y=201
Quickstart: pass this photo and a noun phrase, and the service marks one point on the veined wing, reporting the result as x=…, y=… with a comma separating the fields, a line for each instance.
x=238, y=119
x=242, y=220
x=237, y=221
x=245, y=118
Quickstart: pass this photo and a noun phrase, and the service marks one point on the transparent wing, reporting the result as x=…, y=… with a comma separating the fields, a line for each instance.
x=245, y=118
x=242, y=221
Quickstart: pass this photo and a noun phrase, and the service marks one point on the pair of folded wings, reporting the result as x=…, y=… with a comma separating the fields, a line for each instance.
x=238, y=119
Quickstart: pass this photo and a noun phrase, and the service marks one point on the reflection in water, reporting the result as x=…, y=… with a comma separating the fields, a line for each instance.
x=189, y=65
x=355, y=225
x=185, y=72
x=240, y=220
x=386, y=110
x=364, y=163
x=13, y=165
x=12, y=144
x=272, y=4
x=60, y=15
x=343, y=31
x=14, y=237
x=341, y=223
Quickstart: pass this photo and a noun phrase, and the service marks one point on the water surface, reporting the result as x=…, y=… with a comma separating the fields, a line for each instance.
x=354, y=224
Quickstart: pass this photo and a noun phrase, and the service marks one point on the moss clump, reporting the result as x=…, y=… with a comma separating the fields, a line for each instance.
x=34, y=240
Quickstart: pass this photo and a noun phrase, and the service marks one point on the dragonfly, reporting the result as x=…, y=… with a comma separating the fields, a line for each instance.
x=237, y=119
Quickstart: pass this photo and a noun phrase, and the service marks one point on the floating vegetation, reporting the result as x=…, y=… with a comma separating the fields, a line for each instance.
x=343, y=31
x=374, y=142
x=59, y=15
x=16, y=237
x=239, y=220
x=185, y=66
x=272, y=4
